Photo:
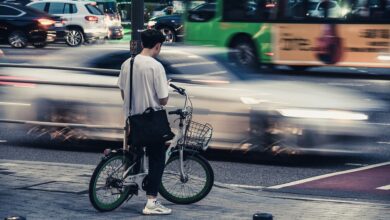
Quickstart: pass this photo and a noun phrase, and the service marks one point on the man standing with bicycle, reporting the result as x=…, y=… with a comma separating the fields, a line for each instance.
x=150, y=89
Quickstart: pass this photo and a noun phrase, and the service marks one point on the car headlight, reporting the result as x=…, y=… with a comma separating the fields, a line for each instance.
x=322, y=114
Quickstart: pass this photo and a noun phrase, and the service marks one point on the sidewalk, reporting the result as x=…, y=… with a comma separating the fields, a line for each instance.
x=59, y=191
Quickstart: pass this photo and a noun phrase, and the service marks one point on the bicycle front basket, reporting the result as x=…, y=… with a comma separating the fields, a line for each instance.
x=198, y=135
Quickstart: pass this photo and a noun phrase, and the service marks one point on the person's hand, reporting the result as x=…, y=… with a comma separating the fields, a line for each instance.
x=169, y=81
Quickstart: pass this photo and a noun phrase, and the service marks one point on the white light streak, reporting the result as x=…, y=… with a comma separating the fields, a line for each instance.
x=15, y=103
x=384, y=187
x=193, y=64
x=322, y=114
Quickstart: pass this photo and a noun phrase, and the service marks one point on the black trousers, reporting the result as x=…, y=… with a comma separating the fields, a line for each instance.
x=156, y=156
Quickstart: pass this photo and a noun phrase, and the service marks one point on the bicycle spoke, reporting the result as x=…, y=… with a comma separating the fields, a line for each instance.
x=195, y=178
x=109, y=194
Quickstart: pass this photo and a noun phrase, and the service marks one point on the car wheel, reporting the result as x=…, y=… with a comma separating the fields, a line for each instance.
x=244, y=53
x=169, y=33
x=40, y=45
x=17, y=39
x=74, y=37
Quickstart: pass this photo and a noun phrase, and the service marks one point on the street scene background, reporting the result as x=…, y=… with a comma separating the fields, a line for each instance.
x=299, y=136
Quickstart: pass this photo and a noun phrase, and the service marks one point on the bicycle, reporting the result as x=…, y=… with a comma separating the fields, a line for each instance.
x=188, y=177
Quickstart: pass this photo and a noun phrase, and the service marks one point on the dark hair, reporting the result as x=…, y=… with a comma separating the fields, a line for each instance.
x=151, y=37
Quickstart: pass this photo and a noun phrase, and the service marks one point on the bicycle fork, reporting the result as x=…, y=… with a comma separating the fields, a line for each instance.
x=181, y=151
x=183, y=176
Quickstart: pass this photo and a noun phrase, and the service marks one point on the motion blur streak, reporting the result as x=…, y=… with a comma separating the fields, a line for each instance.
x=14, y=103
x=321, y=114
x=193, y=64
x=384, y=57
x=211, y=81
x=26, y=85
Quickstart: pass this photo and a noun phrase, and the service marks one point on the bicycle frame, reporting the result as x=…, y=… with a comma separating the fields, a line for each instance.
x=178, y=138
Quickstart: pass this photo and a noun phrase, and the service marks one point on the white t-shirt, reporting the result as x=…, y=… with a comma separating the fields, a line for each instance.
x=149, y=84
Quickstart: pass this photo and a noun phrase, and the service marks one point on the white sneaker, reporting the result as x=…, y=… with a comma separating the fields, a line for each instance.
x=156, y=208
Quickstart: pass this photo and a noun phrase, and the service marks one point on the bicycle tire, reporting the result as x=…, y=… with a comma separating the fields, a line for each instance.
x=93, y=197
x=171, y=193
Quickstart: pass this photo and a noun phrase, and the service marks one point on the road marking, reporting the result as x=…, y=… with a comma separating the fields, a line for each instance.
x=327, y=175
x=383, y=142
x=244, y=186
x=305, y=198
x=3, y=141
x=356, y=164
x=384, y=187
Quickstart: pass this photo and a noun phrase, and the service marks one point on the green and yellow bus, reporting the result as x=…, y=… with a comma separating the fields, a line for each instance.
x=297, y=33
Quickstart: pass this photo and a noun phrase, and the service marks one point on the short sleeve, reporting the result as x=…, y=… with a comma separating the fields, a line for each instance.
x=122, y=77
x=160, y=82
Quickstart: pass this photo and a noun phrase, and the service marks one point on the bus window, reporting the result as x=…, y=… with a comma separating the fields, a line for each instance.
x=369, y=10
x=297, y=9
x=249, y=10
x=202, y=13
x=324, y=9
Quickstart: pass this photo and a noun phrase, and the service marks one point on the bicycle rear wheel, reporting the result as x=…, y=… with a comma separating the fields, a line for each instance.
x=194, y=186
x=106, y=189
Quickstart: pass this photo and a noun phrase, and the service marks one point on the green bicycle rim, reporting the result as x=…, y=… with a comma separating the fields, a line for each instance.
x=118, y=201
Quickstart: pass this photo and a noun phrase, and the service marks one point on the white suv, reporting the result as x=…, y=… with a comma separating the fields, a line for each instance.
x=85, y=21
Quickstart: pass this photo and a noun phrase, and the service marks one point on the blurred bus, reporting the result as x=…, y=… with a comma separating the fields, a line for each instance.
x=297, y=33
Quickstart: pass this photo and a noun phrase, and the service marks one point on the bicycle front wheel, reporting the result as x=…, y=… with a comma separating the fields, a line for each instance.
x=106, y=189
x=196, y=183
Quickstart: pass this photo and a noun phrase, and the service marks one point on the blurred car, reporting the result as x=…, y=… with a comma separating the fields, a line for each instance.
x=317, y=9
x=370, y=9
x=85, y=22
x=115, y=29
x=247, y=114
x=170, y=25
x=113, y=20
x=20, y=25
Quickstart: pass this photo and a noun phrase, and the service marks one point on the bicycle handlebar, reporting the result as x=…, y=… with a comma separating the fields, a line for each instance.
x=176, y=112
x=181, y=91
x=183, y=113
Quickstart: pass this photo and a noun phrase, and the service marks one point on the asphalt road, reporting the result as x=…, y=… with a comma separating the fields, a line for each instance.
x=252, y=174
x=237, y=169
